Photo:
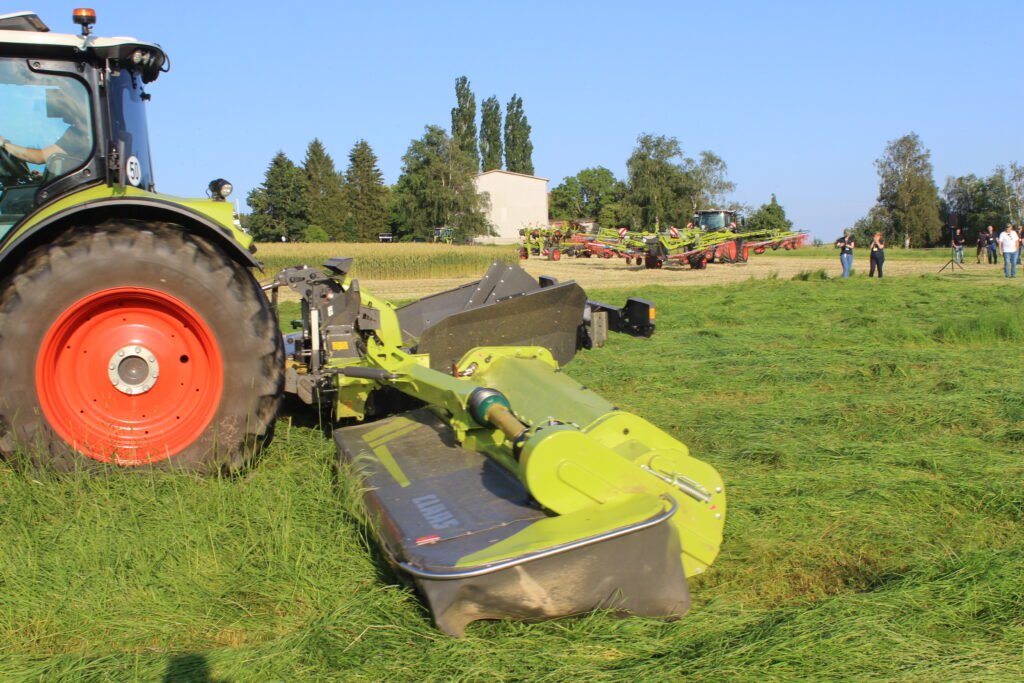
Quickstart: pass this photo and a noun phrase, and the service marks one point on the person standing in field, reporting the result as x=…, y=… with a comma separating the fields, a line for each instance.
x=1009, y=243
x=845, y=244
x=877, y=254
x=992, y=242
x=982, y=243
x=958, y=246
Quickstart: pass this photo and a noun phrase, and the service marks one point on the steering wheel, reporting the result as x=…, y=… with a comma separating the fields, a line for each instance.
x=11, y=167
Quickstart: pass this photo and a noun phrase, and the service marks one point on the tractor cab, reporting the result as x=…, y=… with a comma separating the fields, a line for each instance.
x=715, y=220
x=73, y=112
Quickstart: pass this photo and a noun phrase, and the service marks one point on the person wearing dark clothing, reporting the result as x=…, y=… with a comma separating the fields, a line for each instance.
x=982, y=243
x=958, y=246
x=877, y=255
x=992, y=245
x=845, y=244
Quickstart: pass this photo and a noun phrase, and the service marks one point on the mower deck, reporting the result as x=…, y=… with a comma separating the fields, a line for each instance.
x=466, y=531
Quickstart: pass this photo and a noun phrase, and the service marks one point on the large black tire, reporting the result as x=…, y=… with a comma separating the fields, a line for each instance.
x=742, y=250
x=176, y=291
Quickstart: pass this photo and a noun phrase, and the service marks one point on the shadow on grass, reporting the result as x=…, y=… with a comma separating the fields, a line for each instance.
x=189, y=668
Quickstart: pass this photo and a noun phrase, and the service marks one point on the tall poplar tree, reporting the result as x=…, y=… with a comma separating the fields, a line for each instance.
x=279, y=203
x=367, y=196
x=518, y=148
x=464, y=120
x=907, y=191
x=325, y=198
x=490, y=133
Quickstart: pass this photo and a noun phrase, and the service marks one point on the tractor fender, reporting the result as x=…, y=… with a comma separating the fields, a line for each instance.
x=132, y=208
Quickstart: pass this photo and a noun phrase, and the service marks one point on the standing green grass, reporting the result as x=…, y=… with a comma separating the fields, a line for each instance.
x=871, y=446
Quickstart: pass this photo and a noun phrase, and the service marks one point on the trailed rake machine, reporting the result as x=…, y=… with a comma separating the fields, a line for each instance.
x=699, y=249
x=542, y=242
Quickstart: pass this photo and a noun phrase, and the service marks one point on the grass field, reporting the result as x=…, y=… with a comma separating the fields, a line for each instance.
x=388, y=261
x=868, y=432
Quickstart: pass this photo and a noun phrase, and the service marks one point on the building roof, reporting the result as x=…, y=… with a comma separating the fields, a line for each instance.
x=521, y=175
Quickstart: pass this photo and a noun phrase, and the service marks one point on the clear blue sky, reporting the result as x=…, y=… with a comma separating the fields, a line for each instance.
x=799, y=98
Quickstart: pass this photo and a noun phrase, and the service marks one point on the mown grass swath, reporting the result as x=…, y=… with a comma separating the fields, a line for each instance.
x=869, y=432
x=389, y=261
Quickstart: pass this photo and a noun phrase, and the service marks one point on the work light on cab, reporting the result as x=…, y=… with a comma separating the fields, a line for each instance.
x=219, y=189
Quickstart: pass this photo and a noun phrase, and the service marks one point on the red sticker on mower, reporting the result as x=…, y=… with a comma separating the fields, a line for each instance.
x=673, y=231
x=622, y=232
x=426, y=540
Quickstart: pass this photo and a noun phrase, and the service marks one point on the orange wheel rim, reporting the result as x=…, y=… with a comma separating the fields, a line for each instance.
x=129, y=375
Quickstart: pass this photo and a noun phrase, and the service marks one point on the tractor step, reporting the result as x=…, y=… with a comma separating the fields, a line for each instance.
x=467, y=533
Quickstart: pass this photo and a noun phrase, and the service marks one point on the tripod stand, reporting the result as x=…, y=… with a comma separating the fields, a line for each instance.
x=952, y=263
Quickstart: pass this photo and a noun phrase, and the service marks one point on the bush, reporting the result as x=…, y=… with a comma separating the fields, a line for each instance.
x=314, y=233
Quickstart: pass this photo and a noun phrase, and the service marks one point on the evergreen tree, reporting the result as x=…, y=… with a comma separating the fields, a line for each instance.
x=437, y=189
x=770, y=216
x=366, y=193
x=490, y=134
x=518, y=148
x=279, y=203
x=907, y=191
x=464, y=120
x=325, y=197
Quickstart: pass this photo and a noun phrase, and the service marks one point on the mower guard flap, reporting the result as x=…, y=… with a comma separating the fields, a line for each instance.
x=504, y=308
x=433, y=504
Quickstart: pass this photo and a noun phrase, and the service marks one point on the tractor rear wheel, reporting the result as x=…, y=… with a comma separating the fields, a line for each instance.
x=135, y=344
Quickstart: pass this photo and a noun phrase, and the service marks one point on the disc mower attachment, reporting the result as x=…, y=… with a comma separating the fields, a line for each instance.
x=514, y=491
x=468, y=534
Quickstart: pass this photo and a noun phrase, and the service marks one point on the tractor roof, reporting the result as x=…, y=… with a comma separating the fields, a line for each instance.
x=24, y=33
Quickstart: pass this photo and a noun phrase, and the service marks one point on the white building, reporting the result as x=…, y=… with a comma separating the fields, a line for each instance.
x=517, y=201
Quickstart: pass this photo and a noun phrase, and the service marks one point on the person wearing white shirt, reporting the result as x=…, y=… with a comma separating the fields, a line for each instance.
x=1009, y=240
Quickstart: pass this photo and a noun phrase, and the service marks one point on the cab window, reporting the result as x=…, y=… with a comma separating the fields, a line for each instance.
x=46, y=130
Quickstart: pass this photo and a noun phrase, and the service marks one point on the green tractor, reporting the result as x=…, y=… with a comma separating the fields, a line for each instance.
x=715, y=220
x=443, y=236
x=131, y=328
x=133, y=334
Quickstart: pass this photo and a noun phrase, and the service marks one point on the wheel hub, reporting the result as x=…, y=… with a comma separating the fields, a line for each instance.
x=133, y=369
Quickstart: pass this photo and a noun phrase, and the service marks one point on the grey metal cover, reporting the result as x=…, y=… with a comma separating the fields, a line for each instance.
x=433, y=502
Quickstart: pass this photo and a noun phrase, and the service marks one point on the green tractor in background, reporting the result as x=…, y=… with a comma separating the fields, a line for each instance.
x=131, y=328
x=133, y=334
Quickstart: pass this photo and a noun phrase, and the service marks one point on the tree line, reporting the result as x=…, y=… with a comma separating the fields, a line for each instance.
x=911, y=211
x=663, y=188
x=316, y=202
